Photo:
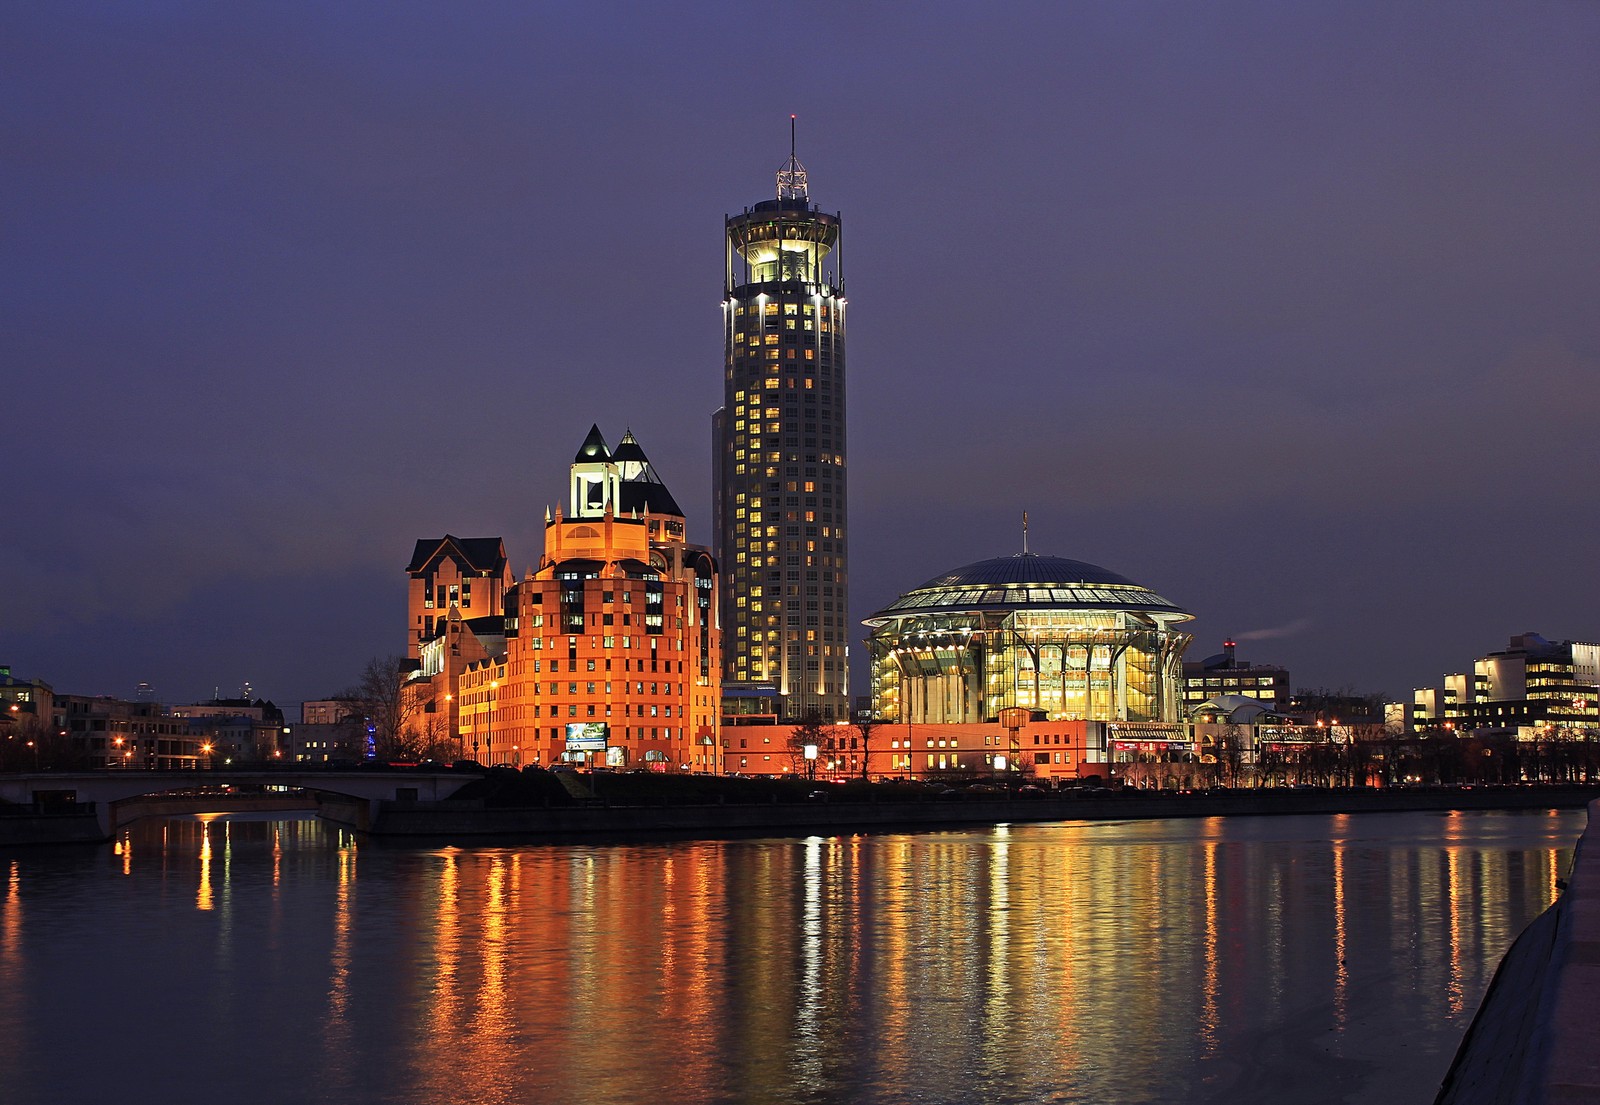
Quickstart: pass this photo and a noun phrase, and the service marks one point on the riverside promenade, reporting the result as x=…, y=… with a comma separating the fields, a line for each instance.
x=1536, y=1038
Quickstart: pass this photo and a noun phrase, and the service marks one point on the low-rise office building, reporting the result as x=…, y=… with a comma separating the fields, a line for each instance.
x=113, y=732
x=1531, y=687
x=1224, y=674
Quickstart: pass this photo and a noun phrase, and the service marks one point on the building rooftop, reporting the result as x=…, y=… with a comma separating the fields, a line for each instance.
x=1028, y=581
x=483, y=554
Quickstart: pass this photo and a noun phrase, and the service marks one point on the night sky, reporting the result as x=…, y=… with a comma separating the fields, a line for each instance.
x=1287, y=311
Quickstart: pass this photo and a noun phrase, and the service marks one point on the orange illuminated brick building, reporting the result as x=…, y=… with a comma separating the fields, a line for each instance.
x=610, y=653
x=455, y=617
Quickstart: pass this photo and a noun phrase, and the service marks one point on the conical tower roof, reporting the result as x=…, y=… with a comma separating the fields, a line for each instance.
x=642, y=489
x=593, y=448
x=628, y=451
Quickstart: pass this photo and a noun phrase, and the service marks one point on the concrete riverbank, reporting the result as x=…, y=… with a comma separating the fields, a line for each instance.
x=597, y=820
x=1533, y=1041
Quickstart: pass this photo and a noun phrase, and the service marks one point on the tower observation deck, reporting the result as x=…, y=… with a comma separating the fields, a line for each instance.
x=779, y=464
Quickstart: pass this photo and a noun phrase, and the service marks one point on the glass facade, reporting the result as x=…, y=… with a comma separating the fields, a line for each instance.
x=780, y=465
x=995, y=636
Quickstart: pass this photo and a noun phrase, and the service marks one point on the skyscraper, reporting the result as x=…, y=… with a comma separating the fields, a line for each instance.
x=780, y=452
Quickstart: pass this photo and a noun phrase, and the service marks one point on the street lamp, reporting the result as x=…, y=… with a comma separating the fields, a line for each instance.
x=450, y=715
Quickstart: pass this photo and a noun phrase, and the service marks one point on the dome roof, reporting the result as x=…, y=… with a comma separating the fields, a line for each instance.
x=1027, y=582
x=1028, y=568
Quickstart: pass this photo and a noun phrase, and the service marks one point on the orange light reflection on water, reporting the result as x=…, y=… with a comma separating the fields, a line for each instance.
x=203, y=894
x=1208, y=1007
x=336, y=1031
x=723, y=970
x=1341, y=966
x=11, y=917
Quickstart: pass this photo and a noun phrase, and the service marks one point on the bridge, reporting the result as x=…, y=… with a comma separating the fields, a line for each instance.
x=364, y=789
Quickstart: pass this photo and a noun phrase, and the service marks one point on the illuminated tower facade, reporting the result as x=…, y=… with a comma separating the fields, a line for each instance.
x=780, y=452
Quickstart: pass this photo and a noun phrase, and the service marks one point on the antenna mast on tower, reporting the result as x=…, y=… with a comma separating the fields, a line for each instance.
x=792, y=177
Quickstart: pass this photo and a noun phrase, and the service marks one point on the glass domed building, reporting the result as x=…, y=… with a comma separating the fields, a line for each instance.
x=1059, y=638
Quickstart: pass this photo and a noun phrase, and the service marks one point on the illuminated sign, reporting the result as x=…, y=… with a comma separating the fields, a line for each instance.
x=1152, y=746
x=587, y=736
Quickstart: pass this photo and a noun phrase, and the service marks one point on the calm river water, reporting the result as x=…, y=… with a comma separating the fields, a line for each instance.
x=1292, y=960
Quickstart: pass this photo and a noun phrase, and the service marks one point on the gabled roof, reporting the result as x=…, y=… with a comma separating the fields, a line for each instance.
x=491, y=625
x=480, y=554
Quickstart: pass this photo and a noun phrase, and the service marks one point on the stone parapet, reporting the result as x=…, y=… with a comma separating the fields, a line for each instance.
x=1533, y=1041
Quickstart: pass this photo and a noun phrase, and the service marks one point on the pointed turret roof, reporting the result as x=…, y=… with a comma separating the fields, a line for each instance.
x=628, y=450
x=593, y=448
x=642, y=489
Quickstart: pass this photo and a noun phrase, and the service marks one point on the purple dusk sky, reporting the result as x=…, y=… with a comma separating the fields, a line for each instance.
x=1288, y=311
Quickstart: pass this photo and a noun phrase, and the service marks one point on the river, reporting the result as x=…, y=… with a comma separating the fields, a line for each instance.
x=1295, y=960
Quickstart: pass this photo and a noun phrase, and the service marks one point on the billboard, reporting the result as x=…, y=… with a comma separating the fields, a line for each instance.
x=587, y=736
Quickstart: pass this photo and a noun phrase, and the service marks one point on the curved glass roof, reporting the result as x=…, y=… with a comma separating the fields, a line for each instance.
x=1027, y=582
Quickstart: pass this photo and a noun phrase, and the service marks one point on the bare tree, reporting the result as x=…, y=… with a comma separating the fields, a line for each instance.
x=1230, y=753
x=386, y=710
x=810, y=732
x=34, y=746
x=865, y=726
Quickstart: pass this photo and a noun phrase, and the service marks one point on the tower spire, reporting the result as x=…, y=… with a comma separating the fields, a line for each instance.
x=792, y=177
x=1024, y=533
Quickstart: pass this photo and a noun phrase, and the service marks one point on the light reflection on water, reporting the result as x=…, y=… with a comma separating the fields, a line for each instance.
x=1292, y=960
